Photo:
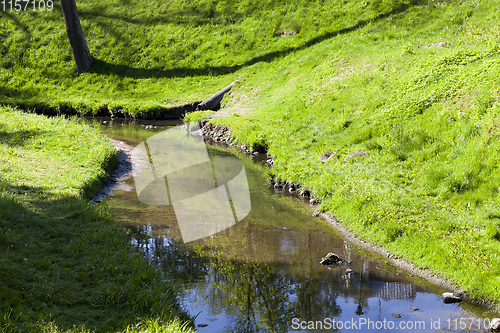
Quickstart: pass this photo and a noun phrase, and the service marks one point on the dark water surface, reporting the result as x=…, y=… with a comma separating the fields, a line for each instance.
x=263, y=273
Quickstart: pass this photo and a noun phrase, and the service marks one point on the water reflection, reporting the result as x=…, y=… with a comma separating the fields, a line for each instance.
x=264, y=271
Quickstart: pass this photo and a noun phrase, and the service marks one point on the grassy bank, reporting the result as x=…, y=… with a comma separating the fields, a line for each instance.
x=427, y=117
x=65, y=263
x=318, y=76
x=154, y=55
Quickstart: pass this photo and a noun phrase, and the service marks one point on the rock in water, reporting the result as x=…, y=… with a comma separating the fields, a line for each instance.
x=331, y=258
x=495, y=324
x=451, y=298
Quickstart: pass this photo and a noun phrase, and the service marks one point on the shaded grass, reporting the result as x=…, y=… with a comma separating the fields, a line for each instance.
x=65, y=262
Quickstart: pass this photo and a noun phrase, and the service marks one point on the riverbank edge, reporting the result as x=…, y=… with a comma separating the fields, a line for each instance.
x=120, y=173
x=175, y=112
x=221, y=135
x=124, y=164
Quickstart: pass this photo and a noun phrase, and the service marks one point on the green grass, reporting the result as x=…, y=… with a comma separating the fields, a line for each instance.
x=153, y=55
x=66, y=263
x=428, y=190
x=319, y=76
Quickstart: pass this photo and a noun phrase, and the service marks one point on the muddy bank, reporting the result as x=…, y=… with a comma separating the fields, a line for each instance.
x=160, y=113
x=122, y=171
x=221, y=135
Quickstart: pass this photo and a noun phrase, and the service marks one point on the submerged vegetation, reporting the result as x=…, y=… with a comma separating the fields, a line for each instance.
x=414, y=83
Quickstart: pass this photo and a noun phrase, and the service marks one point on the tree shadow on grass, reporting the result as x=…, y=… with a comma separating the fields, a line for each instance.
x=97, y=12
x=16, y=21
x=66, y=261
x=18, y=138
x=103, y=67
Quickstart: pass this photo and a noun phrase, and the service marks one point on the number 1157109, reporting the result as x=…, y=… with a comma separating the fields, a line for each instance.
x=24, y=5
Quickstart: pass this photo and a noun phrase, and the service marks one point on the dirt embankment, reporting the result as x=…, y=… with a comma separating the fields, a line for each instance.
x=122, y=172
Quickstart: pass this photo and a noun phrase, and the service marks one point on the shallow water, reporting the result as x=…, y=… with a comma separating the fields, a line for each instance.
x=263, y=274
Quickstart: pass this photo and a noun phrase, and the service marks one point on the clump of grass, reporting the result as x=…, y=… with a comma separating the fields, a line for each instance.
x=145, y=326
x=63, y=260
x=198, y=116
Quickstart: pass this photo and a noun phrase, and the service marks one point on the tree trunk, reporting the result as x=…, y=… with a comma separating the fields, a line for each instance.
x=81, y=53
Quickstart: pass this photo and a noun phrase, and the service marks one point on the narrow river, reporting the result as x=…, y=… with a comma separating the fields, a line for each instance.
x=262, y=274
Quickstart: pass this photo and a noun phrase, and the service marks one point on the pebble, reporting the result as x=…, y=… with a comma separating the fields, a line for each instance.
x=451, y=298
x=331, y=258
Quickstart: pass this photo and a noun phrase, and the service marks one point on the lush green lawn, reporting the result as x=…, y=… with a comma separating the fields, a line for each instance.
x=319, y=76
x=65, y=262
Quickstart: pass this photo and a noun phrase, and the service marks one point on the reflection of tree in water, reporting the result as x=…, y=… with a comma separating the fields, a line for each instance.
x=316, y=299
x=259, y=297
x=178, y=262
x=264, y=298
x=181, y=264
x=256, y=295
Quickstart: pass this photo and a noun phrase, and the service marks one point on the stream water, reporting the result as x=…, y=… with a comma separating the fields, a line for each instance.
x=262, y=274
